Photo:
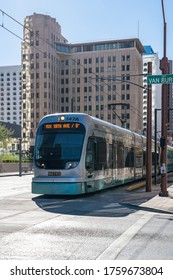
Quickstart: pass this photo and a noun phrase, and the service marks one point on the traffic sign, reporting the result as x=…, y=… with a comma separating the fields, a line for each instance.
x=160, y=79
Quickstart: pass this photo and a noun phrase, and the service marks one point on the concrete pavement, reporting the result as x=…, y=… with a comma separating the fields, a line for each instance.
x=161, y=203
x=110, y=224
x=136, y=195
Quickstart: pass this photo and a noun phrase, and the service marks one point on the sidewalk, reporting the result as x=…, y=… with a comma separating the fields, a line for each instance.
x=161, y=203
x=151, y=201
x=6, y=174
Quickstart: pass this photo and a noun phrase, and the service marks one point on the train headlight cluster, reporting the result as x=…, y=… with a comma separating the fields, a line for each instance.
x=71, y=164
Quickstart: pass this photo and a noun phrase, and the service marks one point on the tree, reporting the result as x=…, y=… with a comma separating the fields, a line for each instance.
x=5, y=135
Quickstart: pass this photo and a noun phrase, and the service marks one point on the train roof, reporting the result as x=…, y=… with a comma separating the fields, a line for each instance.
x=86, y=117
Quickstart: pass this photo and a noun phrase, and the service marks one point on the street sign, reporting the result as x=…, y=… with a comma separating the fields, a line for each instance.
x=160, y=79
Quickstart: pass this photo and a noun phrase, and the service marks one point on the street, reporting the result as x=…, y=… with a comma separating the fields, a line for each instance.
x=112, y=224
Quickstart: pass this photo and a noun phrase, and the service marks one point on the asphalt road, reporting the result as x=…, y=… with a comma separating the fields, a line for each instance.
x=108, y=225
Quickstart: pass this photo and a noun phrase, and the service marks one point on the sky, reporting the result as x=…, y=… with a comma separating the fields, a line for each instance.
x=87, y=21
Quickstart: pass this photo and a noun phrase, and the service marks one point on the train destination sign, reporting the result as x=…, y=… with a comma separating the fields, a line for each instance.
x=69, y=125
x=160, y=79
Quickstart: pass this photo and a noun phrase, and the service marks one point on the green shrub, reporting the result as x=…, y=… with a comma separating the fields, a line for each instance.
x=8, y=157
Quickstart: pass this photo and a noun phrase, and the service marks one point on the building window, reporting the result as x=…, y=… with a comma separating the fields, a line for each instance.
x=127, y=67
x=127, y=87
x=128, y=57
x=109, y=58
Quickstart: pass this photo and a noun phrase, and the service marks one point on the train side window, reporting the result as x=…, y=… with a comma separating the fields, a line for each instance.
x=114, y=155
x=120, y=154
x=138, y=157
x=96, y=154
x=144, y=158
x=155, y=158
x=101, y=154
x=110, y=157
x=129, y=158
x=90, y=154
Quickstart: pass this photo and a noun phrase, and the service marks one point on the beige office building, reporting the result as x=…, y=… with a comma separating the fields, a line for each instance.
x=102, y=79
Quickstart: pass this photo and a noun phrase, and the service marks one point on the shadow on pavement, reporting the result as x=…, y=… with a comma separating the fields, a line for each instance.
x=114, y=202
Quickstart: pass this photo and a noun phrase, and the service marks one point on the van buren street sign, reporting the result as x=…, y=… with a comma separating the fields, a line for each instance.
x=160, y=79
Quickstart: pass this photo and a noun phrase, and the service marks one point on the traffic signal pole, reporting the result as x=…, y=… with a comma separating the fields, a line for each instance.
x=164, y=128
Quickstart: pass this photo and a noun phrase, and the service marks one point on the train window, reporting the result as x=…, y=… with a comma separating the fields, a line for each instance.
x=114, y=165
x=89, y=160
x=139, y=161
x=138, y=157
x=110, y=157
x=155, y=158
x=59, y=146
x=129, y=157
x=101, y=154
x=96, y=154
x=144, y=158
x=120, y=154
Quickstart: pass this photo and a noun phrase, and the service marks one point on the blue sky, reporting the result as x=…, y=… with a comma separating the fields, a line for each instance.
x=90, y=20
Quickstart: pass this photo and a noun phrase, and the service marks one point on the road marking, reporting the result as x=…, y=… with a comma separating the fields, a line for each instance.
x=121, y=242
x=136, y=186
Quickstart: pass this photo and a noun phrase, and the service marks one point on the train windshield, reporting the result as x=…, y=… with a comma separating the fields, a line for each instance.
x=59, y=145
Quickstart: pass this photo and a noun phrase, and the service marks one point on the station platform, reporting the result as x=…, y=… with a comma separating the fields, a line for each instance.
x=152, y=199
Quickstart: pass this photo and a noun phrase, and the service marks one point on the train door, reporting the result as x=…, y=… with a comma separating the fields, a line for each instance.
x=114, y=161
x=110, y=160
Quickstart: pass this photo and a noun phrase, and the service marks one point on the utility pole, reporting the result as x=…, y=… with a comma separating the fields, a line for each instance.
x=149, y=134
x=163, y=140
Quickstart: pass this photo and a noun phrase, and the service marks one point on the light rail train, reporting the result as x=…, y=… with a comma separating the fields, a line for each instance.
x=76, y=153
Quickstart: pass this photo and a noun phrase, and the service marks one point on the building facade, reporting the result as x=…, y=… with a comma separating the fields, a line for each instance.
x=151, y=56
x=102, y=79
x=10, y=94
x=40, y=68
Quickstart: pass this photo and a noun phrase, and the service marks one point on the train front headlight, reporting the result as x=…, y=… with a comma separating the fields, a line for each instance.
x=71, y=164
